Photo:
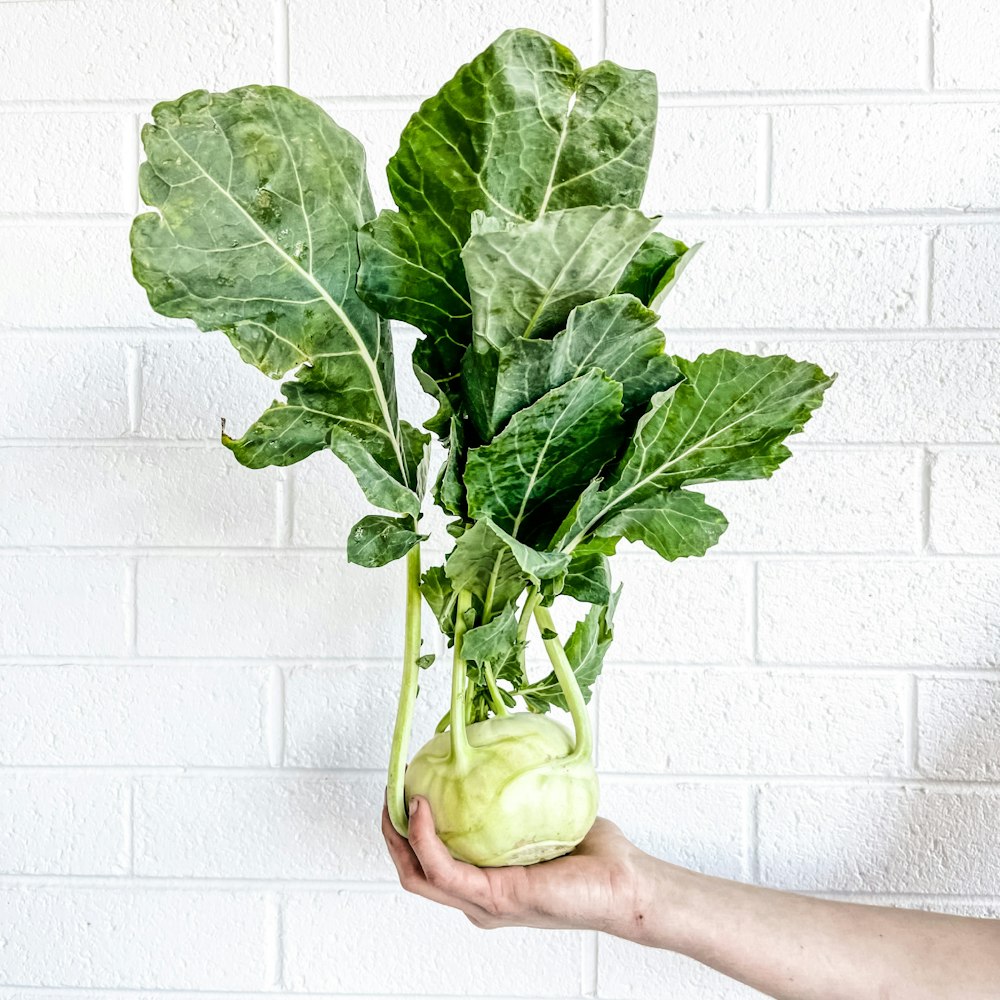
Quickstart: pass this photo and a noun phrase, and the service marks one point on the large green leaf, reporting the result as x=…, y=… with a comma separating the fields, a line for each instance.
x=534, y=468
x=482, y=563
x=518, y=131
x=260, y=196
x=617, y=334
x=726, y=421
x=674, y=523
x=525, y=280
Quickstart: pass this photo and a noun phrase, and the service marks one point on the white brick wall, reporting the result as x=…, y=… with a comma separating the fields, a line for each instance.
x=196, y=690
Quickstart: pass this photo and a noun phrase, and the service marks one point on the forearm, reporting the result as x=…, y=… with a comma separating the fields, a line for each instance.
x=794, y=947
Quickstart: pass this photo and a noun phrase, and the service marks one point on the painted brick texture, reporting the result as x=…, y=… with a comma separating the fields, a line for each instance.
x=196, y=689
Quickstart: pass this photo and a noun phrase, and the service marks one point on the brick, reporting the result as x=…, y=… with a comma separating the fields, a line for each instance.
x=959, y=728
x=342, y=716
x=627, y=971
x=62, y=605
x=934, y=613
x=328, y=501
x=191, y=383
x=869, y=158
x=66, y=162
x=336, y=943
x=55, y=825
x=85, y=394
x=734, y=722
x=960, y=297
x=966, y=36
x=697, y=826
x=268, y=606
x=910, y=391
x=704, y=160
x=69, y=276
x=113, y=49
x=159, y=496
x=690, y=611
x=879, y=840
x=964, y=486
x=127, y=939
x=284, y=828
x=333, y=58
x=713, y=45
x=154, y=716
x=844, y=277
x=877, y=507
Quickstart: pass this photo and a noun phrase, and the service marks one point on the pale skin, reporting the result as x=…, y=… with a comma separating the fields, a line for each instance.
x=787, y=946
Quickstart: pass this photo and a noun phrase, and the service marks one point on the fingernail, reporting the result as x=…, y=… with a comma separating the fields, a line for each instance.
x=414, y=806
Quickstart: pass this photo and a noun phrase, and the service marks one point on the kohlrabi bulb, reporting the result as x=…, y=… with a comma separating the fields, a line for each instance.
x=519, y=797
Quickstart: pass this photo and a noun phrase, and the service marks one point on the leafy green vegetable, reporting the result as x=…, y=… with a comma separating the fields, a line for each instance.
x=518, y=249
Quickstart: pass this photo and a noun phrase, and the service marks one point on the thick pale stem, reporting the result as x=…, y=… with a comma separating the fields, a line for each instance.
x=584, y=745
x=459, y=741
x=498, y=703
x=395, y=794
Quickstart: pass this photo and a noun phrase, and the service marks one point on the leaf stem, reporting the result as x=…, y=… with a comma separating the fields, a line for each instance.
x=523, y=622
x=395, y=793
x=459, y=741
x=498, y=704
x=584, y=745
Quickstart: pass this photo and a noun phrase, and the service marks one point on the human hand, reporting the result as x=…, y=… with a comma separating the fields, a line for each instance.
x=596, y=887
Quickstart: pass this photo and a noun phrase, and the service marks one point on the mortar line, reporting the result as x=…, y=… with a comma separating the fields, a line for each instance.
x=589, y=947
x=765, y=160
x=600, y=27
x=130, y=608
x=131, y=154
x=282, y=55
x=751, y=833
x=276, y=959
x=133, y=391
x=911, y=727
x=926, y=500
x=925, y=289
x=275, y=720
x=754, y=613
x=186, y=773
x=284, y=508
x=927, y=47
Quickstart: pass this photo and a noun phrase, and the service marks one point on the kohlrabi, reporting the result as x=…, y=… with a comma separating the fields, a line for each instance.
x=518, y=250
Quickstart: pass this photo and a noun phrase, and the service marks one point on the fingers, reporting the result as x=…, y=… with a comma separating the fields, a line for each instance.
x=413, y=879
x=439, y=867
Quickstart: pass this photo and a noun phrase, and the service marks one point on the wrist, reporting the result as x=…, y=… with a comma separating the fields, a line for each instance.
x=659, y=911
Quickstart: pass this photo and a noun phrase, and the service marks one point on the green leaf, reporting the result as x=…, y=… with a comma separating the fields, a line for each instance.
x=260, y=196
x=495, y=643
x=588, y=578
x=537, y=565
x=616, y=334
x=675, y=524
x=483, y=564
x=426, y=661
x=449, y=492
x=440, y=597
x=379, y=539
x=524, y=281
x=654, y=270
x=585, y=651
x=518, y=131
x=530, y=473
x=726, y=421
